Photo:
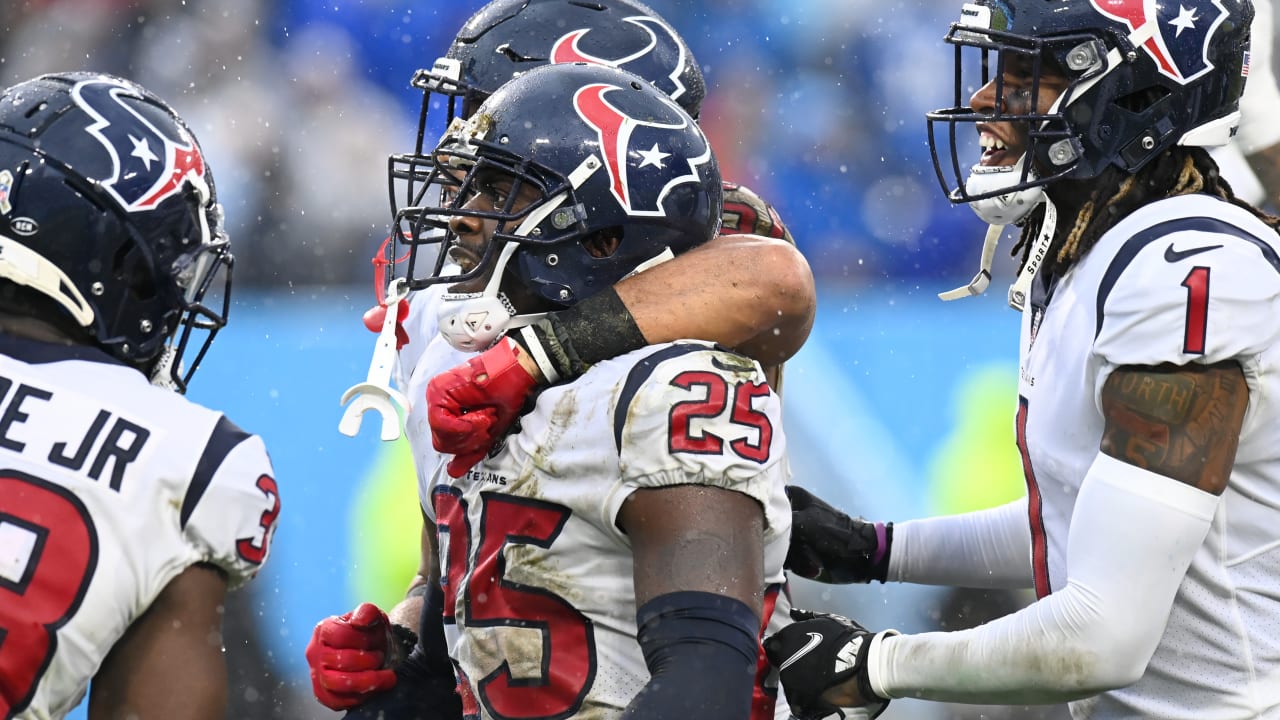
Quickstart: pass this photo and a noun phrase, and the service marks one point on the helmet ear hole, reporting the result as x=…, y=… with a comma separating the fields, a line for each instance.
x=604, y=243
x=1142, y=100
x=134, y=272
x=472, y=101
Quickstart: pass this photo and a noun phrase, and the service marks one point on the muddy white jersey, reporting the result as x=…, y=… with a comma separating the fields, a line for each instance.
x=426, y=355
x=109, y=488
x=1185, y=280
x=539, y=592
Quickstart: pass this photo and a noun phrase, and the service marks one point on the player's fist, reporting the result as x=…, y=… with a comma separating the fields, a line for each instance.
x=829, y=546
x=470, y=406
x=351, y=657
x=746, y=213
x=822, y=662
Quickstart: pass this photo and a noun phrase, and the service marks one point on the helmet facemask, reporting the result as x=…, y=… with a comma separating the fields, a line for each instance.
x=477, y=179
x=1136, y=85
x=446, y=97
x=1070, y=139
x=507, y=39
x=203, y=278
x=1006, y=193
x=580, y=175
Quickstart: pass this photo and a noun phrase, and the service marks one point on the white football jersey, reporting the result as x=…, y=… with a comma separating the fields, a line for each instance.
x=538, y=576
x=109, y=488
x=426, y=355
x=1185, y=280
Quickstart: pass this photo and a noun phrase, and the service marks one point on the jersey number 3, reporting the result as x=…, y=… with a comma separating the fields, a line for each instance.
x=51, y=551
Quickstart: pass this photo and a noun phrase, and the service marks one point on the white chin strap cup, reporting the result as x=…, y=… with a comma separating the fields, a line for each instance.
x=472, y=324
x=1008, y=208
x=998, y=211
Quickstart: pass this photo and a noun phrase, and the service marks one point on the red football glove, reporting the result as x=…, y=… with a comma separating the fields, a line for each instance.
x=472, y=405
x=348, y=655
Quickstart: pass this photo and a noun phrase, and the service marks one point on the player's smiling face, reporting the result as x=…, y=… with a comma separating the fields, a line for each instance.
x=1004, y=141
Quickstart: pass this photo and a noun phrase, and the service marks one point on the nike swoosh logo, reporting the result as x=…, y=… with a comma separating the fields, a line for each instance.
x=815, y=639
x=1171, y=255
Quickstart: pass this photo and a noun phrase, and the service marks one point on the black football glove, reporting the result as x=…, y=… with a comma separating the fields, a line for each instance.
x=818, y=652
x=831, y=547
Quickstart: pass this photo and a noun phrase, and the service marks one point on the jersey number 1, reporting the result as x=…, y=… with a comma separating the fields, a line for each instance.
x=1197, y=285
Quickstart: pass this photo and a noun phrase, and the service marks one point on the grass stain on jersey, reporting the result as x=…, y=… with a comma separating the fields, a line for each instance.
x=562, y=417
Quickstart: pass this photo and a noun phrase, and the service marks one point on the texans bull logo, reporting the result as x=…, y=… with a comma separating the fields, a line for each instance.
x=147, y=165
x=1186, y=27
x=618, y=132
x=568, y=49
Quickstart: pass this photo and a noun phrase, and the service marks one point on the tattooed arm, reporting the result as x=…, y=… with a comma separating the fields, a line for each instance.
x=1182, y=422
x=1142, y=513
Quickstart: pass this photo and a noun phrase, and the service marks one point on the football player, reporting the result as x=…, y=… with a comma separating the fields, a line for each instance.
x=617, y=556
x=1146, y=416
x=768, y=299
x=127, y=512
x=763, y=307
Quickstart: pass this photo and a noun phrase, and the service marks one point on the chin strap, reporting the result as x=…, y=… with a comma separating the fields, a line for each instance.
x=979, y=283
x=163, y=371
x=473, y=322
x=1021, y=287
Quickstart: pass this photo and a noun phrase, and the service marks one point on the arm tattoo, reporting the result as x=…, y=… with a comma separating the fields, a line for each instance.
x=1179, y=421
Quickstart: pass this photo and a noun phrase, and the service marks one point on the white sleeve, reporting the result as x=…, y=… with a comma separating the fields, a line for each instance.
x=1214, y=305
x=983, y=549
x=234, y=503
x=1133, y=535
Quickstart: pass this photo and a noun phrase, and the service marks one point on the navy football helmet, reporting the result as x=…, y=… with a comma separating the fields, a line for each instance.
x=590, y=150
x=108, y=208
x=1142, y=77
x=509, y=37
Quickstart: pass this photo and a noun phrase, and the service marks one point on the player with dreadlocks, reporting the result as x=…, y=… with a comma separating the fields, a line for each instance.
x=1147, y=415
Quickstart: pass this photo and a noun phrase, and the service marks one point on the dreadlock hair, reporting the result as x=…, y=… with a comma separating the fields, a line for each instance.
x=1115, y=193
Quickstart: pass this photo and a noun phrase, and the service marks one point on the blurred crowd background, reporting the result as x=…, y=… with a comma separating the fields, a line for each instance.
x=816, y=104
x=898, y=407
